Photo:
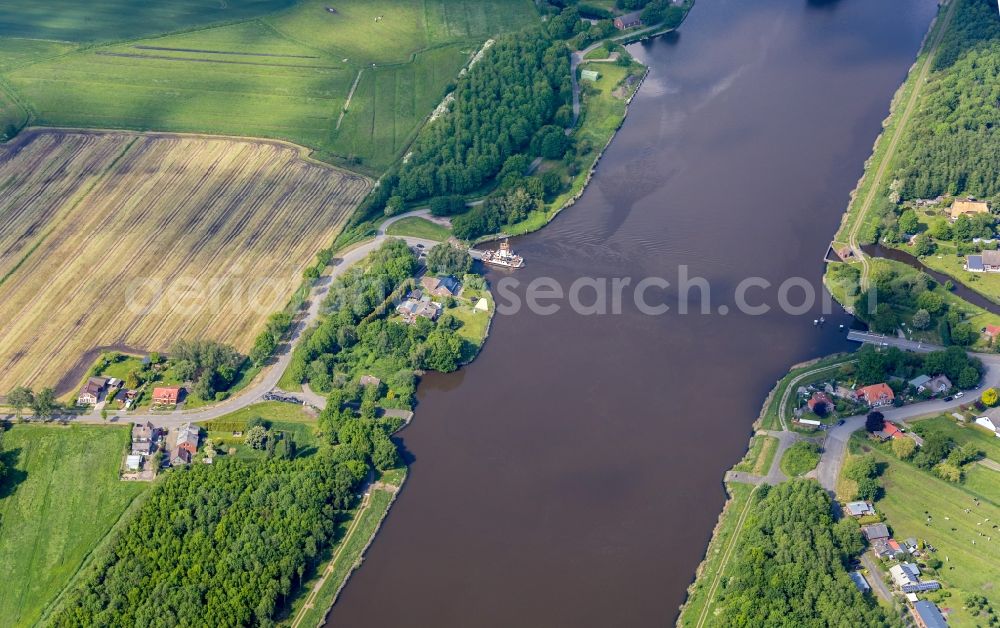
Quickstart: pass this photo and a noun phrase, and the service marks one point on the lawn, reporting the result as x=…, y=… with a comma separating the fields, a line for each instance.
x=961, y=434
x=919, y=504
x=286, y=74
x=58, y=502
x=287, y=418
x=417, y=227
x=194, y=237
x=800, y=458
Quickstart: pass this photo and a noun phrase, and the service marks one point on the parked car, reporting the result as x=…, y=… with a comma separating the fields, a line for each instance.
x=949, y=398
x=959, y=395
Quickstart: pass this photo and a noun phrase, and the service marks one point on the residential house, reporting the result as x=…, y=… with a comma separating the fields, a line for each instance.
x=91, y=391
x=143, y=432
x=180, y=456
x=860, y=509
x=920, y=382
x=628, y=20
x=992, y=331
x=927, y=615
x=889, y=431
x=987, y=422
x=143, y=448
x=875, y=531
x=875, y=395
x=411, y=309
x=968, y=208
x=907, y=578
x=166, y=395
x=985, y=262
x=441, y=286
x=187, y=438
x=939, y=385
x=370, y=380
x=888, y=548
x=820, y=398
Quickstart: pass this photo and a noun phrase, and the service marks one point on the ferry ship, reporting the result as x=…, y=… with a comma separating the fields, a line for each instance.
x=503, y=257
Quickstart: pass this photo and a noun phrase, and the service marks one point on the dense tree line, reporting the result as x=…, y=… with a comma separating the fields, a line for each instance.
x=879, y=366
x=952, y=144
x=221, y=545
x=214, y=367
x=499, y=106
x=790, y=568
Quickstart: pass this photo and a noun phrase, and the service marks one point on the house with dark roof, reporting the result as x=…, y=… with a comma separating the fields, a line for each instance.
x=926, y=614
x=446, y=286
x=91, y=391
x=875, y=531
x=940, y=384
x=628, y=20
x=860, y=509
x=180, y=456
x=974, y=264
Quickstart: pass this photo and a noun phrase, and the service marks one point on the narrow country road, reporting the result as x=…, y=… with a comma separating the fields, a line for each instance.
x=875, y=578
x=268, y=379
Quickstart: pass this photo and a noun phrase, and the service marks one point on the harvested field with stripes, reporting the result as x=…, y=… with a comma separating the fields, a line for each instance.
x=128, y=239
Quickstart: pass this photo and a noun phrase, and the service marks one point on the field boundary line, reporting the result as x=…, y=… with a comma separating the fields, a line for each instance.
x=304, y=153
x=350, y=95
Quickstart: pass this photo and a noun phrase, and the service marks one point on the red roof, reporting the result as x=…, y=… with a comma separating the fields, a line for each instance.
x=891, y=429
x=166, y=394
x=992, y=330
x=875, y=392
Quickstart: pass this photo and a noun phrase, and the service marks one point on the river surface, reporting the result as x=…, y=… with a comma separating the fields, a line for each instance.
x=571, y=476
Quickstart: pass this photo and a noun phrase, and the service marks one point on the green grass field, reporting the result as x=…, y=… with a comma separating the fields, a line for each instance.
x=800, y=458
x=283, y=73
x=964, y=540
x=61, y=498
x=760, y=455
x=961, y=434
x=417, y=227
x=288, y=418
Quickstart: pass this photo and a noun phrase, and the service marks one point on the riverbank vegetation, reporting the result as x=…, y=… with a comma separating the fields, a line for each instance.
x=59, y=497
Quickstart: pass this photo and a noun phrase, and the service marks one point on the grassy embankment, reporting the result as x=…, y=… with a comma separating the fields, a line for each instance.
x=272, y=69
x=61, y=496
x=289, y=419
x=760, y=456
x=697, y=608
x=957, y=519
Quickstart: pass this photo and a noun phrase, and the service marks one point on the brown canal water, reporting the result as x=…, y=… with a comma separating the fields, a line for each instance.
x=571, y=476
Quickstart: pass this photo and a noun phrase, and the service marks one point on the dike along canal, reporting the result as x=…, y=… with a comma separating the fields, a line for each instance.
x=571, y=476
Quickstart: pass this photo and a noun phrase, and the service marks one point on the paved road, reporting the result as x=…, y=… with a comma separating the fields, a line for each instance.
x=892, y=341
x=268, y=379
x=836, y=439
x=874, y=577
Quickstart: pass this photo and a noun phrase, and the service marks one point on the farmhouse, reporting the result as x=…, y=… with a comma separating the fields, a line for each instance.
x=962, y=208
x=887, y=548
x=875, y=395
x=91, y=391
x=166, y=395
x=907, y=578
x=860, y=509
x=628, y=20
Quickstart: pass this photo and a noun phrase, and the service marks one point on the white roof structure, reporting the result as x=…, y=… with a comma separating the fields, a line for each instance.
x=482, y=305
x=133, y=462
x=987, y=422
